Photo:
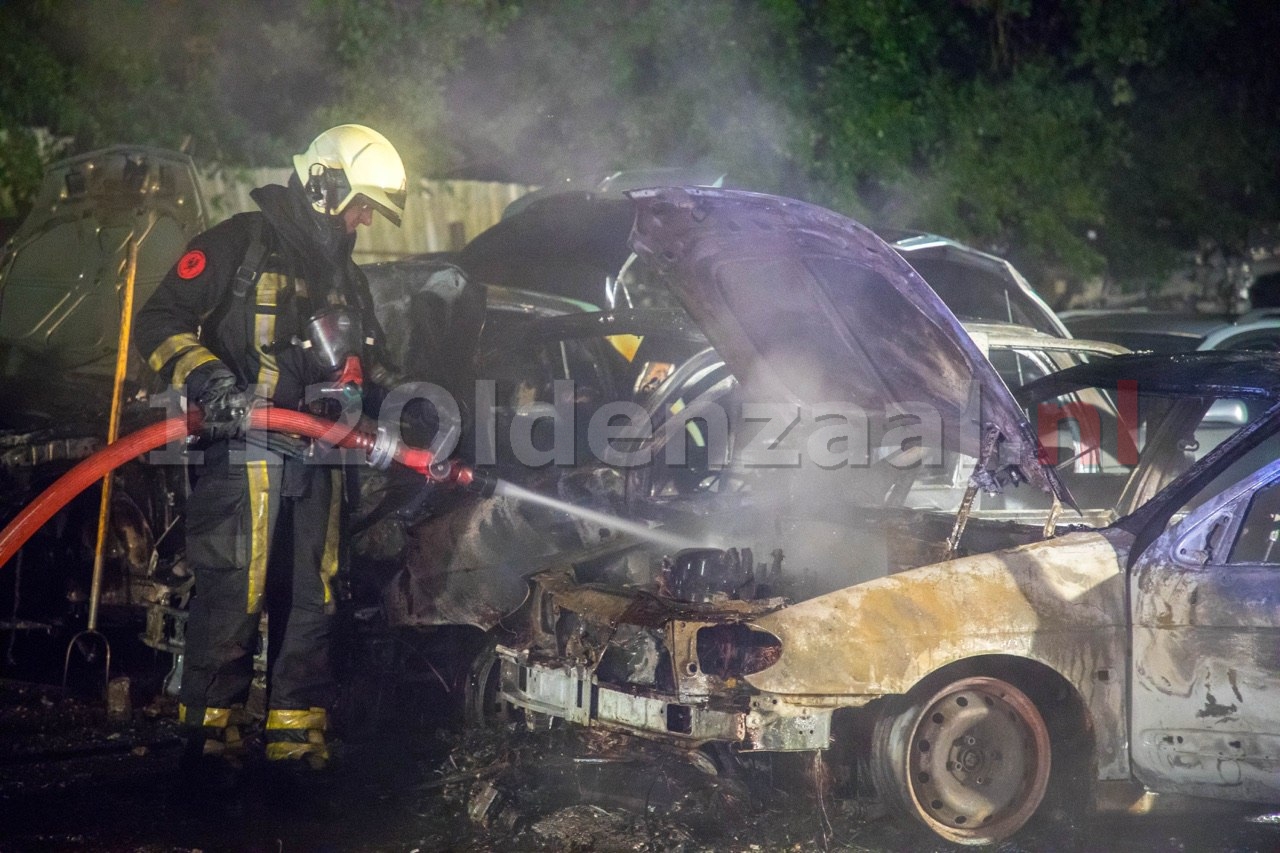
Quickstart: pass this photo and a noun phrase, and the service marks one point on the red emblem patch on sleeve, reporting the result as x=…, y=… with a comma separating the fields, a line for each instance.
x=191, y=264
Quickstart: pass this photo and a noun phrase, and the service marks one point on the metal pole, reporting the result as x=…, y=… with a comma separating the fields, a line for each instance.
x=113, y=424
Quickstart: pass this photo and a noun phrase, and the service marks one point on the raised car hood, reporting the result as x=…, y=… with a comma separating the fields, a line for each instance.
x=61, y=274
x=809, y=307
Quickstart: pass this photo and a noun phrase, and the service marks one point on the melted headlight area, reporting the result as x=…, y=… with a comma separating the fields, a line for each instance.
x=733, y=650
x=642, y=663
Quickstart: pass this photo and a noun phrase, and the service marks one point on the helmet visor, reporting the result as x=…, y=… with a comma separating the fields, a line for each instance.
x=390, y=203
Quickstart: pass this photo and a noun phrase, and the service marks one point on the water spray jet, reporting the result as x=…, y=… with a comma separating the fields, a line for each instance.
x=661, y=538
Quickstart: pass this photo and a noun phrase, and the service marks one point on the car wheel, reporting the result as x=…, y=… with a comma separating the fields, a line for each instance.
x=971, y=761
x=483, y=706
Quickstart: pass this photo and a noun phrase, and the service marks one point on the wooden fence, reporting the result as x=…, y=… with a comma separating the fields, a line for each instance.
x=440, y=216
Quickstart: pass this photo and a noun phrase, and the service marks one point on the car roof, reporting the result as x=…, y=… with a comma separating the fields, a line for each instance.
x=1016, y=335
x=1215, y=374
x=1141, y=318
x=1257, y=335
x=1157, y=331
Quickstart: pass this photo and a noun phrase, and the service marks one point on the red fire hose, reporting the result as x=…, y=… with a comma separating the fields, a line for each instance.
x=93, y=468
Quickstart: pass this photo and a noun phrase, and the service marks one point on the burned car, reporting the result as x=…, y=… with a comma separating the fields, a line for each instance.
x=971, y=692
x=574, y=244
x=468, y=563
x=63, y=281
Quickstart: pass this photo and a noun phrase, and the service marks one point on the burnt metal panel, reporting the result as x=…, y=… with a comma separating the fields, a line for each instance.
x=60, y=281
x=807, y=307
x=1059, y=602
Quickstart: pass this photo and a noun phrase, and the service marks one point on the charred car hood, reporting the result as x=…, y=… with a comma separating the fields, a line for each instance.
x=809, y=307
x=61, y=273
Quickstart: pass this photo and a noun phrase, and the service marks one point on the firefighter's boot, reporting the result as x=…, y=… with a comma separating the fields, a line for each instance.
x=296, y=755
x=214, y=753
x=298, y=735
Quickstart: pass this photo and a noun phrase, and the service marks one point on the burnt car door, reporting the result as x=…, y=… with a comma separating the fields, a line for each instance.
x=1205, y=666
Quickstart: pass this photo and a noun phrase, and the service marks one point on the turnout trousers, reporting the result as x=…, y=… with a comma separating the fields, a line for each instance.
x=255, y=542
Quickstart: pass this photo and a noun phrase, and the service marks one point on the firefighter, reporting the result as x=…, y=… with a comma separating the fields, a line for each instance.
x=268, y=307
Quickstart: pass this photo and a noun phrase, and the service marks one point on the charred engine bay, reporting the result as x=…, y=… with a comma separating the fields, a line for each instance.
x=409, y=776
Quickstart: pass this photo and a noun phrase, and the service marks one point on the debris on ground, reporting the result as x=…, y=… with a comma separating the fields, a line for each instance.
x=72, y=778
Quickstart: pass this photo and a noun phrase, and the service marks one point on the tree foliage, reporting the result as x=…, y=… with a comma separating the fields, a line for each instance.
x=580, y=88
x=989, y=120
x=1076, y=136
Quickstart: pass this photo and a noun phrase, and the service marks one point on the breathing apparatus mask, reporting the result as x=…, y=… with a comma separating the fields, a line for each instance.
x=334, y=340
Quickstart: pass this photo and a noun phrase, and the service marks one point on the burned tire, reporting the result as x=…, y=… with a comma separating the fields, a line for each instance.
x=484, y=708
x=971, y=761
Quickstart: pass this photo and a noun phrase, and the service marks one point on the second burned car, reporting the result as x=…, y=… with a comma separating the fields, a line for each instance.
x=813, y=614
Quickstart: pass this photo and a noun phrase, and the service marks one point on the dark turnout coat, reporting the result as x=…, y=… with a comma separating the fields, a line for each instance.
x=251, y=510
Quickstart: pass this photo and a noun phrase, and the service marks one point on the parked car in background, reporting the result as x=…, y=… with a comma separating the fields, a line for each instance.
x=1167, y=331
x=977, y=690
x=1144, y=331
x=1257, y=330
x=977, y=286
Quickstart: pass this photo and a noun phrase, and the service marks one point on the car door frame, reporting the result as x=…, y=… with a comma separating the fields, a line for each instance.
x=1205, y=662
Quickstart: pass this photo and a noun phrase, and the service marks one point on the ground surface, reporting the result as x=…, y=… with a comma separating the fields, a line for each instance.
x=73, y=779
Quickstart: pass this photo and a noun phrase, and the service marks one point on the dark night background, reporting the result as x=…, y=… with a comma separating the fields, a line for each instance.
x=1098, y=144
x=1080, y=138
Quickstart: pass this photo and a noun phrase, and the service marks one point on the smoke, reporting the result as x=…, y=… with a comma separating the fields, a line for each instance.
x=816, y=492
x=532, y=93
x=580, y=90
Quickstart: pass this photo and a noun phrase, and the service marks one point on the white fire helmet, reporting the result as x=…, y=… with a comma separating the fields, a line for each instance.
x=352, y=160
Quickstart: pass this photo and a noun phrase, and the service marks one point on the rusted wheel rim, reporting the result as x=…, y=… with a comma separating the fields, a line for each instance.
x=979, y=759
x=484, y=706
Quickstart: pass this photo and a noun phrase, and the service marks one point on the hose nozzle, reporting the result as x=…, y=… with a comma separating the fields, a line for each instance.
x=477, y=482
x=441, y=470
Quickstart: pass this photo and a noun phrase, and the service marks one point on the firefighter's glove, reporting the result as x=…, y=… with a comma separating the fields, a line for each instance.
x=225, y=405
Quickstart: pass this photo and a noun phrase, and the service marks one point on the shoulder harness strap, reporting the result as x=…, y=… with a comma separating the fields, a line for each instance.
x=251, y=264
x=245, y=277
